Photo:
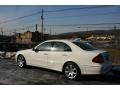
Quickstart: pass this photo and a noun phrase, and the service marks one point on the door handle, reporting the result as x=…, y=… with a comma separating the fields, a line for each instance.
x=65, y=55
x=45, y=54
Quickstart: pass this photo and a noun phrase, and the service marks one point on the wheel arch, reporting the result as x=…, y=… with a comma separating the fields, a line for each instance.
x=70, y=62
x=20, y=55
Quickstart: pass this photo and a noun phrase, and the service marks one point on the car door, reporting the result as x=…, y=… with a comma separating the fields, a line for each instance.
x=59, y=54
x=41, y=54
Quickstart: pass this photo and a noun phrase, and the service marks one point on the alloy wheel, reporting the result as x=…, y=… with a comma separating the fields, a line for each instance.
x=70, y=71
x=21, y=61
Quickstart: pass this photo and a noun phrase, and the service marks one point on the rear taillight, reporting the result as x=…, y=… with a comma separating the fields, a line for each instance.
x=98, y=59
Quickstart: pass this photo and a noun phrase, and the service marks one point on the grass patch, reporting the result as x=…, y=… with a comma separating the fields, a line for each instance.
x=113, y=52
x=114, y=55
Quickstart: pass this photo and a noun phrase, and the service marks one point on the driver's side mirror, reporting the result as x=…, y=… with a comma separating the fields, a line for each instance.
x=34, y=49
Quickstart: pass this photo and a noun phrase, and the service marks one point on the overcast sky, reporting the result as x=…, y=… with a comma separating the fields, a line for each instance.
x=68, y=15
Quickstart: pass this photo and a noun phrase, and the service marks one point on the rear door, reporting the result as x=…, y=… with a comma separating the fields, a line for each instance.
x=60, y=52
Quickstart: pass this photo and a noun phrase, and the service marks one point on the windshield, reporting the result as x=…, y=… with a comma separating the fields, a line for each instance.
x=85, y=46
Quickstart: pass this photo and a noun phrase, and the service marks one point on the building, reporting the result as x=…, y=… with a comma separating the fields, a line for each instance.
x=24, y=37
x=101, y=37
x=29, y=37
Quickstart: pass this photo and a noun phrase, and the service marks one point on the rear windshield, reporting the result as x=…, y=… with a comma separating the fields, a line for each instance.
x=85, y=46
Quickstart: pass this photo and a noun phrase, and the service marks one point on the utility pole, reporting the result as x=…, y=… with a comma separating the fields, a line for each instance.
x=55, y=33
x=14, y=32
x=36, y=33
x=44, y=31
x=10, y=32
x=50, y=31
x=14, y=35
x=36, y=28
x=49, y=34
x=42, y=18
x=2, y=33
x=116, y=37
x=86, y=28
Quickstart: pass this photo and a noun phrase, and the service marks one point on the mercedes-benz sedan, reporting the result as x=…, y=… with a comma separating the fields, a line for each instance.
x=73, y=58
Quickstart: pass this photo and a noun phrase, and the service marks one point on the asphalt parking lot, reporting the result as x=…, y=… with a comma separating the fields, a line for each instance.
x=11, y=74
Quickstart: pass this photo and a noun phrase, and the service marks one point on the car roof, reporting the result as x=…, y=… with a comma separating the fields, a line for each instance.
x=67, y=40
x=60, y=40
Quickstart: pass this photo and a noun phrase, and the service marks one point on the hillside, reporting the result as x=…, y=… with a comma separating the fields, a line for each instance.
x=85, y=34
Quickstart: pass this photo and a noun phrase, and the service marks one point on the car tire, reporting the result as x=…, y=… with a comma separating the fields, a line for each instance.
x=71, y=71
x=21, y=61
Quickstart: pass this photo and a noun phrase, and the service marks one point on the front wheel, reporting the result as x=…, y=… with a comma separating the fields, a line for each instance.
x=71, y=71
x=21, y=61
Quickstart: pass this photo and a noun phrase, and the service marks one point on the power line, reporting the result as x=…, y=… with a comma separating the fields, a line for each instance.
x=96, y=27
x=10, y=20
x=89, y=7
x=73, y=25
x=84, y=24
x=96, y=14
x=60, y=10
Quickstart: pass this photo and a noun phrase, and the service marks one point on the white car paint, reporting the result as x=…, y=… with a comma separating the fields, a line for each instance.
x=56, y=60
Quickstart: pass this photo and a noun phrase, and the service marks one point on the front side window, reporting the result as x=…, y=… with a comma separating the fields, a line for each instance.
x=85, y=46
x=59, y=46
x=45, y=46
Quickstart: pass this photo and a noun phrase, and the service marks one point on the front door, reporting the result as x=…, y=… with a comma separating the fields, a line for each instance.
x=40, y=54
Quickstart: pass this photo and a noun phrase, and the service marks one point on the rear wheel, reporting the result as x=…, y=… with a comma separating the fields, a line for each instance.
x=71, y=71
x=21, y=61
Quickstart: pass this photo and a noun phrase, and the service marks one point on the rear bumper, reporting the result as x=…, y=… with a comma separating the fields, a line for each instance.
x=96, y=69
x=106, y=68
x=86, y=70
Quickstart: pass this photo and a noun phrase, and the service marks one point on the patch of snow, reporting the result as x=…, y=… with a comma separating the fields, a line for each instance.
x=7, y=54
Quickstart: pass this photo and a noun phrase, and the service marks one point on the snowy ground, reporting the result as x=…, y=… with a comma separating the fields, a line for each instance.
x=10, y=55
x=11, y=74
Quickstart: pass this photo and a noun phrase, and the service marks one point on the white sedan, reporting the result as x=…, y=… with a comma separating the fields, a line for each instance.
x=73, y=58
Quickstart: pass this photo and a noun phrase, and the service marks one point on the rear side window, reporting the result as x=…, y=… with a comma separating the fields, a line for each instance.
x=85, y=46
x=60, y=46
